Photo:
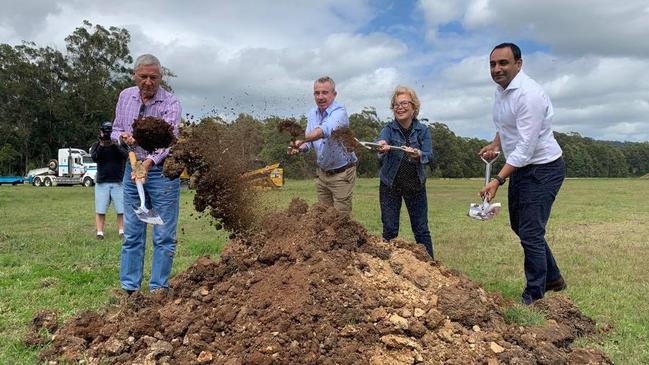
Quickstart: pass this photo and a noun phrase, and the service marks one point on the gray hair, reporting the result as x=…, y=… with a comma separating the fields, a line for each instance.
x=328, y=79
x=146, y=60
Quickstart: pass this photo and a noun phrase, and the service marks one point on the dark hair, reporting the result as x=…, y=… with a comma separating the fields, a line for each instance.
x=106, y=126
x=515, y=50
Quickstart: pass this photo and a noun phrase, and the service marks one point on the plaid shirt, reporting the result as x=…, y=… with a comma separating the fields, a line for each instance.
x=129, y=107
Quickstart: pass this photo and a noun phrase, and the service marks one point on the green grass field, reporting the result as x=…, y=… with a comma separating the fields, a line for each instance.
x=599, y=232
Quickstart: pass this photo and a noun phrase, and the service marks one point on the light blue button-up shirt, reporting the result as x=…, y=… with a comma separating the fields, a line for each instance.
x=330, y=153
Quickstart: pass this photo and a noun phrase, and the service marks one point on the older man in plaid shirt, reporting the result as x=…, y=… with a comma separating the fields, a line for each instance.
x=145, y=99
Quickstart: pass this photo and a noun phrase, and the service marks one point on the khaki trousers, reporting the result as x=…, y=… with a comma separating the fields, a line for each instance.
x=336, y=190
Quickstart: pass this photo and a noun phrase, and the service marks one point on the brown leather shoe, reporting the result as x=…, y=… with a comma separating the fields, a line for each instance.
x=556, y=285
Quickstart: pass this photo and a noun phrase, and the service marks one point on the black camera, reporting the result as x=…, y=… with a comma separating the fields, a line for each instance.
x=106, y=129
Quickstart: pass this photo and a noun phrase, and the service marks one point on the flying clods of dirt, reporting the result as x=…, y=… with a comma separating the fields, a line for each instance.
x=152, y=133
x=345, y=136
x=313, y=287
x=210, y=153
x=291, y=128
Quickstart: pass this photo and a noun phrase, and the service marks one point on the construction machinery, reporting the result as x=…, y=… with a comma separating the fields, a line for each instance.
x=267, y=177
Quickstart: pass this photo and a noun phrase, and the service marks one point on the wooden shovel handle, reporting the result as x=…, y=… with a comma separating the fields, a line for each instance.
x=132, y=159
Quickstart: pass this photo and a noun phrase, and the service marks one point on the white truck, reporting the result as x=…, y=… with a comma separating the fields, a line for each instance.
x=73, y=167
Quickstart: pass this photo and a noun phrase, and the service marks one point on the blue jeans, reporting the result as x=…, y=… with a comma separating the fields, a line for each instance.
x=417, y=205
x=532, y=190
x=163, y=195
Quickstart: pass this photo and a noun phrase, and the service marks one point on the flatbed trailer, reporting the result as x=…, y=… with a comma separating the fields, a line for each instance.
x=13, y=180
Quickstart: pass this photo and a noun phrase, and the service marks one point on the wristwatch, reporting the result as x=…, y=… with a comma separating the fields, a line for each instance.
x=501, y=180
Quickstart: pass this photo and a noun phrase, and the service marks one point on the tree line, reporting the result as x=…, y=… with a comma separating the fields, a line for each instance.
x=50, y=99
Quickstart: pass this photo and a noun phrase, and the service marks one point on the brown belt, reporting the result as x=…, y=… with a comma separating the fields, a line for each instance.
x=340, y=169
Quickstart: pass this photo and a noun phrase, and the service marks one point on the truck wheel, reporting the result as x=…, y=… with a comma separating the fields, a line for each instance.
x=48, y=182
x=87, y=182
x=37, y=182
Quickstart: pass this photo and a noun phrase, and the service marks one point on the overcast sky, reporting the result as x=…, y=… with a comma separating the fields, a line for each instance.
x=261, y=57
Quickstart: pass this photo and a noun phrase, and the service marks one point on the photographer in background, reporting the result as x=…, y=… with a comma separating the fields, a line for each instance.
x=110, y=158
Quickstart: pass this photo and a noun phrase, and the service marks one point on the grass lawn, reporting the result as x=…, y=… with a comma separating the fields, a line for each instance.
x=599, y=232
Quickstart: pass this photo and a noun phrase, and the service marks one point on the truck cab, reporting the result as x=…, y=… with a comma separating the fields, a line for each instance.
x=74, y=166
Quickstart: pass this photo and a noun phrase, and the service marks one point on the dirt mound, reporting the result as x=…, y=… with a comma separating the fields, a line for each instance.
x=313, y=287
x=152, y=133
x=209, y=153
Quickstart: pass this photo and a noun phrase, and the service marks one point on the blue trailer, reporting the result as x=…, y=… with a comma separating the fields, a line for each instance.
x=13, y=180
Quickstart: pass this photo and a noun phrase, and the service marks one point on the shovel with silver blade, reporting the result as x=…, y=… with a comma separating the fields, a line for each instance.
x=485, y=211
x=375, y=146
x=144, y=214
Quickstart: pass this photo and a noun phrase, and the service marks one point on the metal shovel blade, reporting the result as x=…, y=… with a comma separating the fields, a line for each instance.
x=484, y=211
x=149, y=216
x=368, y=145
x=375, y=146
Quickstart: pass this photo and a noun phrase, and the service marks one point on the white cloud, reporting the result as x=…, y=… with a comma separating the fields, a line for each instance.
x=262, y=57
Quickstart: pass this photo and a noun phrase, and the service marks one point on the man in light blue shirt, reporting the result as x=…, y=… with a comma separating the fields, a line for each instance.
x=522, y=114
x=336, y=172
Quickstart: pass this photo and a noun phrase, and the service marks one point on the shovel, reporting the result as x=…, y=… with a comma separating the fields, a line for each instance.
x=145, y=215
x=485, y=211
x=375, y=146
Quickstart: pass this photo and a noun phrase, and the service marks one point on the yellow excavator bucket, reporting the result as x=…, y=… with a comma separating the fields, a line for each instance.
x=271, y=176
x=267, y=177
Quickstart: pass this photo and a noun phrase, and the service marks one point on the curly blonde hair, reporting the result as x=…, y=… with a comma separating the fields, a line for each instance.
x=405, y=90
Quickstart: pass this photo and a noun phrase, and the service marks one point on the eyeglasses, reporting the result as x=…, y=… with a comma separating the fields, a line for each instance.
x=403, y=104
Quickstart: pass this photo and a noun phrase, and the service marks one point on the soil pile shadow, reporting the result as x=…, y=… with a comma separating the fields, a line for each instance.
x=312, y=287
x=152, y=133
x=209, y=153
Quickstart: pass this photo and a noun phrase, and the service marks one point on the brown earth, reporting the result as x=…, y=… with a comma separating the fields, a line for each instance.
x=291, y=128
x=346, y=137
x=313, y=287
x=152, y=133
x=209, y=153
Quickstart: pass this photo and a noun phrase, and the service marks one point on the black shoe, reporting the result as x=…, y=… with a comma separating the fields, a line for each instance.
x=556, y=285
x=129, y=292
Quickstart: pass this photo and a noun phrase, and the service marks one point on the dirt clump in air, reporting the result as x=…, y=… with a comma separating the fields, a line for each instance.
x=345, y=136
x=313, y=287
x=209, y=151
x=152, y=133
x=291, y=128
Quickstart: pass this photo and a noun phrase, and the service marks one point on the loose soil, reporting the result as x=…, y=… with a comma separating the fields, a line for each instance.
x=313, y=287
x=345, y=136
x=208, y=152
x=291, y=128
x=152, y=133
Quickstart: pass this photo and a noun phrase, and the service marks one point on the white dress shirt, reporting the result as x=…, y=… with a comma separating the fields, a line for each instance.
x=523, y=114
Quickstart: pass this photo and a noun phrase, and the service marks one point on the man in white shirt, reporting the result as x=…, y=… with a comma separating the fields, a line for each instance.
x=522, y=114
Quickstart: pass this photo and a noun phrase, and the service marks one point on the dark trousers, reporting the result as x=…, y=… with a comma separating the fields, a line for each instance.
x=532, y=190
x=417, y=205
